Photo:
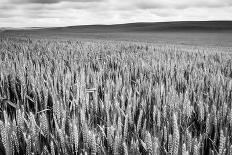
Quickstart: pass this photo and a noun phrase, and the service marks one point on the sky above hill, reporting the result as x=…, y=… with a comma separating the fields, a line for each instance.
x=53, y=13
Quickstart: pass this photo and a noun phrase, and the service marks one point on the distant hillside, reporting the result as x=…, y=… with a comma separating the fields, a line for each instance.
x=185, y=26
x=150, y=27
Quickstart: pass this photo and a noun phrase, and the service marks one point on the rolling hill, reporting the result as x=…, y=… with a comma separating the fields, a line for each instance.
x=180, y=26
x=210, y=33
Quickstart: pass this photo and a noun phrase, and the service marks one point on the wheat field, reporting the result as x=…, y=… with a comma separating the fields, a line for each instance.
x=114, y=97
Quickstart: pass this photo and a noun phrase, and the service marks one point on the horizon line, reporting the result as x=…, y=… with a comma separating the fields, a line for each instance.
x=114, y=24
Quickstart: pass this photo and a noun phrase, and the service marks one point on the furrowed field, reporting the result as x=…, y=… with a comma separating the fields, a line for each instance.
x=112, y=97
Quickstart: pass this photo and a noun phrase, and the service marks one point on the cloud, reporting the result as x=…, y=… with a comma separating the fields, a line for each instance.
x=182, y=4
x=33, y=13
x=51, y=1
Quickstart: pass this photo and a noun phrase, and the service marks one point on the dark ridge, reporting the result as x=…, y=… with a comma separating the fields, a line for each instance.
x=149, y=27
x=180, y=26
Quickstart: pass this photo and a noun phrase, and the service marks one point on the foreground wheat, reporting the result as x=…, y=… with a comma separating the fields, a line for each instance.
x=101, y=97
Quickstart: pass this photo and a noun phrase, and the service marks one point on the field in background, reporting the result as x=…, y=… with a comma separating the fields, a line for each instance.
x=197, y=33
x=206, y=39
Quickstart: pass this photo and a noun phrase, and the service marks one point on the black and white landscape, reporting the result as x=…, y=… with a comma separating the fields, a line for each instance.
x=105, y=77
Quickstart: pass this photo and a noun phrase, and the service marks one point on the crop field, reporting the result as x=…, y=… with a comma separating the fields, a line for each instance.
x=114, y=97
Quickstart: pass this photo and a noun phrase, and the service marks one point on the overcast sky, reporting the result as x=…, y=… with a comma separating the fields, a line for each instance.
x=46, y=13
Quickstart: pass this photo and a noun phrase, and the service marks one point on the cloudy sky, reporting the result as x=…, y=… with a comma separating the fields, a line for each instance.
x=46, y=13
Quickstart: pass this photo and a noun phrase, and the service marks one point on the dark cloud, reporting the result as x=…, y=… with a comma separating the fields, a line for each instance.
x=5, y=15
x=60, y=6
x=52, y=1
x=6, y=7
x=146, y=5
